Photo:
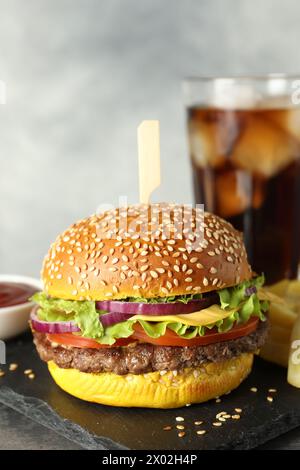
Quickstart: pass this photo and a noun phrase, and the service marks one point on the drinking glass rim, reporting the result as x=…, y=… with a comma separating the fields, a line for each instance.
x=259, y=77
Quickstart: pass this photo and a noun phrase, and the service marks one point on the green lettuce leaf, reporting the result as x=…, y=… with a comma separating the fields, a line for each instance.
x=86, y=316
x=171, y=299
x=233, y=296
x=84, y=313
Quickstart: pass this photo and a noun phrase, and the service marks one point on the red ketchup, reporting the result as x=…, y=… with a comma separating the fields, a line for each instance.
x=14, y=293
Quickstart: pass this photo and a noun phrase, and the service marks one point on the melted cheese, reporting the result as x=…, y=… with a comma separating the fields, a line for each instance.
x=203, y=317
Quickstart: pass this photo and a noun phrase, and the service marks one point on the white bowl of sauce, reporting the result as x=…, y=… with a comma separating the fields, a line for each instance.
x=14, y=304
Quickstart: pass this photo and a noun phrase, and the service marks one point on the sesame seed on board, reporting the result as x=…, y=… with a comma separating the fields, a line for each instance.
x=179, y=418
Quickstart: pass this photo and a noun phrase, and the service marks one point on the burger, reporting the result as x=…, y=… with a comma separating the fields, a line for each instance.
x=149, y=306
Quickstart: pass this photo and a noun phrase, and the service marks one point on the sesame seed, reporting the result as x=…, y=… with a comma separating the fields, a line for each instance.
x=115, y=260
x=253, y=389
x=176, y=268
x=270, y=399
x=31, y=376
x=160, y=270
x=193, y=260
x=213, y=270
x=226, y=416
x=27, y=371
x=272, y=390
x=179, y=418
x=165, y=290
x=211, y=253
x=2, y=373
x=205, y=281
x=154, y=274
x=200, y=266
x=198, y=423
x=179, y=426
x=200, y=432
x=13, y=366
x=235, y=416
x=238, y=410
x=218, y=400
x=104, y=259
x=167, y=428
x=217, y=424
x=181, y=434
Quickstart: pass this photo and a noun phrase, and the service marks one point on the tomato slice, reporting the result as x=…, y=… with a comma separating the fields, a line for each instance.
x=77, y=341
x=169, y=339
x=212, y=336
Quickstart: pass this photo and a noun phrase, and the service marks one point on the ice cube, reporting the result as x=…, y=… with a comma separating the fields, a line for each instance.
x=212, y=134
x=258, y=191
x=228, y=94
x=264, y=148
x=233, y=192
x=287, y=119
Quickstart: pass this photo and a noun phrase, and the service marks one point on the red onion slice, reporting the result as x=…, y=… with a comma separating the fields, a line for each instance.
x=167, y=308
x=51, y=327
x=250, y=290
x=111, y=318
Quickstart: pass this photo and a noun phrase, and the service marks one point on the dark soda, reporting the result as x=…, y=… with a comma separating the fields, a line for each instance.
x=246, y=168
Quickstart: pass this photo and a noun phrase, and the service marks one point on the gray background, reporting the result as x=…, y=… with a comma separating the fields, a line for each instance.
x=81, y=75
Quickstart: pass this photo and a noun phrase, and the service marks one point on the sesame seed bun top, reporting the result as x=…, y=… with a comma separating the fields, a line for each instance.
x=145, y=251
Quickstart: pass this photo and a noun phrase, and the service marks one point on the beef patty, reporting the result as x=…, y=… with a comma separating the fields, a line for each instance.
x=141, y=358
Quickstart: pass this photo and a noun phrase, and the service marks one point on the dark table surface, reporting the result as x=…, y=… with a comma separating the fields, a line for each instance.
x=19, y=432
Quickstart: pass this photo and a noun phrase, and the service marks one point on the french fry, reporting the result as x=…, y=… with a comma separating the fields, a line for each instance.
x=284, y=298
x=279, y=334
x=275, y=352
x=293, y=295
x=294, y=356
x=282, y=315
x=280, y=288
x=294, y=289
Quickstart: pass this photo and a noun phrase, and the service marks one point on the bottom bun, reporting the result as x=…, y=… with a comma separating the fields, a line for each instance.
x=171, y=389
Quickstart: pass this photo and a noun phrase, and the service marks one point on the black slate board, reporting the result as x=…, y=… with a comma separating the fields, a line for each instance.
x=102, y=427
